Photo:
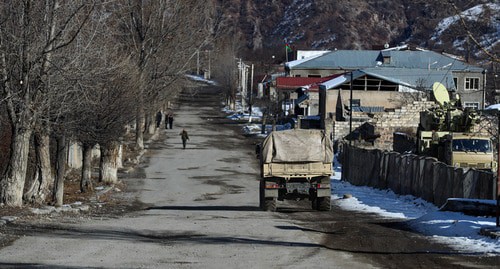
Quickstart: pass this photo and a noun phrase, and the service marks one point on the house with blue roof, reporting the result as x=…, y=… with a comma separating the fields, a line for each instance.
x=396, y=69
x=386, y=81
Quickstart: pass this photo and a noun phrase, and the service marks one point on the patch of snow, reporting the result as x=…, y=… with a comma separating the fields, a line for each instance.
x=320, y=43
x=488, y=40
x=296, y=13
x=201, y=79
x=8, y=219
x=457, y=230
x=493, y=107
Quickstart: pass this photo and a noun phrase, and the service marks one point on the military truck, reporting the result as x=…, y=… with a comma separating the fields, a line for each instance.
x=446, y=133
x=461, y=150
x=295, y=164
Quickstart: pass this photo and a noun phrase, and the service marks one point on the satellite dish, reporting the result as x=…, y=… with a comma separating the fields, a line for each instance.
x=440, y=93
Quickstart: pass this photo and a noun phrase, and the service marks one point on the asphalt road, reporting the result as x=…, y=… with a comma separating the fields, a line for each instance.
x=200, y=210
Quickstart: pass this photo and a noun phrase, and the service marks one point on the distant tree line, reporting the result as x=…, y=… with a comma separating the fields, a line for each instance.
x=82, y=71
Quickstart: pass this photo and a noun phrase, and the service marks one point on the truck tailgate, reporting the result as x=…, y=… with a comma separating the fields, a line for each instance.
x=290, y=170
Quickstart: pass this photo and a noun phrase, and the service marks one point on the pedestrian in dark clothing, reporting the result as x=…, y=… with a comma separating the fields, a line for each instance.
x=158, y=119
x=171, y=120
x=184, y=137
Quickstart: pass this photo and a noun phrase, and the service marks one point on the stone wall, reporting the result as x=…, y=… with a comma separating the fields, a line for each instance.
x=405, y=118
x=341, y=129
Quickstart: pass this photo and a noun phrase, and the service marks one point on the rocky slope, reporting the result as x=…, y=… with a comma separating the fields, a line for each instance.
x=360, y=24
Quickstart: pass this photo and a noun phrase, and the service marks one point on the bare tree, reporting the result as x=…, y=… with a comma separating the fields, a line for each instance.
x=473, y=37
x=226, y=72
x=159, y=35
x=105, y=80
x=30, y=34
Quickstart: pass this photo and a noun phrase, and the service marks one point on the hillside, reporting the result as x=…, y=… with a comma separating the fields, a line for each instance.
x=361, y=24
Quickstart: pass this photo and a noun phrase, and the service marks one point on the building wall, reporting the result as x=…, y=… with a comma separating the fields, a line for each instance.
x=388, y=100
x=405, y=118
x=468, y=96
x=315, y=72
x=313, y=103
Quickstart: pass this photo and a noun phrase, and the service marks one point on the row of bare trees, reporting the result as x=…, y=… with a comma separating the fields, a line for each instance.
x=81, y=71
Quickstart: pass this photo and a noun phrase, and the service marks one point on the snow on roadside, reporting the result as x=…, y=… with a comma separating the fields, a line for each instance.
x=457, y=230
x=201, y=79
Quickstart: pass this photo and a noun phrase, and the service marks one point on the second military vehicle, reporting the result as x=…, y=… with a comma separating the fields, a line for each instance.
x=446, y=133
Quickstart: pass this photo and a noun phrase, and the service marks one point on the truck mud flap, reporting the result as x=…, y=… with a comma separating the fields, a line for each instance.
x=271, y=193
x=323, y=192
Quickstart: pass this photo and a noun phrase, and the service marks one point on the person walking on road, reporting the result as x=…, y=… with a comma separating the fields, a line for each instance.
x=170, y=120
x=184, y=137
x=159, y=115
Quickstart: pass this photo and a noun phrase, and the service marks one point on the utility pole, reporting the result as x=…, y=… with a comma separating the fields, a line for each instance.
x=484, y=88
x=350, y=107
x=497, y=189
x=244, y=81
x=251, y=95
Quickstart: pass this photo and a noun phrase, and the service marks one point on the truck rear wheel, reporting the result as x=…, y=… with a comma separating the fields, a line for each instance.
x=269, y=204
x=266, y=203
x=262, y=197
x=314, y=203
x=323, y=203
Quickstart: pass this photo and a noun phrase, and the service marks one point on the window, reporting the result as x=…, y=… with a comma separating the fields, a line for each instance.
x=474, y=105
x=476, y=145
x=472, y=83
x=356, y=102
x=455, y=81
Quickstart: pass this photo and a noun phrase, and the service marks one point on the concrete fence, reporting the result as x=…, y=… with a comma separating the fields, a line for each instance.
x=419, y=176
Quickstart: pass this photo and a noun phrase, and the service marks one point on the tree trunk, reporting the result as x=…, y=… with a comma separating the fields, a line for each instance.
x=42, y=184
x=62, y=155
x=86, y=180
x=12, y=184
x=108, y=171
x=139, y=127
x=119, y=160
x=151, y=124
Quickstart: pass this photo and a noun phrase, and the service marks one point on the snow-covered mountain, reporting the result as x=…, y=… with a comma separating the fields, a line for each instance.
x=362, y=24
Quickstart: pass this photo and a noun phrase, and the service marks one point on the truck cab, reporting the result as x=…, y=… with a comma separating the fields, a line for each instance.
x=468, y=151
x=461, y=150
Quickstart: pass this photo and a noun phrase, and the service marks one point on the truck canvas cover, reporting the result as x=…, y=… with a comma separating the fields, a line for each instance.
x=297, y=145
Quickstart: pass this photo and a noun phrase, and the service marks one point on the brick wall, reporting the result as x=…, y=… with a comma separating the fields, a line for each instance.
x=406, y=119
x=386, y=123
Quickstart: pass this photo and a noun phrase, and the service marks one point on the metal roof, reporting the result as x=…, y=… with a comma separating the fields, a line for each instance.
x=341, y=59
x=298, y=82
x=302, y=98
x=414, y=78
x=357, y=59
x=332, y=83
